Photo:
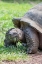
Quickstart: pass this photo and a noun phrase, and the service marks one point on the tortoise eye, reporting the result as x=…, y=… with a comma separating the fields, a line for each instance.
x=14, y=33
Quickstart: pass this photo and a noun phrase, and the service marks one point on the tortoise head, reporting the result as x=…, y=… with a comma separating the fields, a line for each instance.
x=16, y=35
x=13, y=35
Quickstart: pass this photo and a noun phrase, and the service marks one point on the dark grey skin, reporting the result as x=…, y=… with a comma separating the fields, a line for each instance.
x=31, y=25
x=13, y=35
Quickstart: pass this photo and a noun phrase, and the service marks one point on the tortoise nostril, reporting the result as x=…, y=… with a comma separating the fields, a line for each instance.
x=15, y=35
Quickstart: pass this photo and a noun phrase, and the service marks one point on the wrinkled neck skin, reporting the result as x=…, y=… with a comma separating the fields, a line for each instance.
x=21, y=36
x=24, y=25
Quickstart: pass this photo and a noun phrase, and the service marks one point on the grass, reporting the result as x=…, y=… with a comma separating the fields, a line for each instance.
x=7, y=12
x=12, y=53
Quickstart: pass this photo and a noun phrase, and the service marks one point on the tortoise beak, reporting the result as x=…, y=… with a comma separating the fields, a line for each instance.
x=15, y=39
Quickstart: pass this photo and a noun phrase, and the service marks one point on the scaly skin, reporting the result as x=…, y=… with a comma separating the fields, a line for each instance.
x=32, y=40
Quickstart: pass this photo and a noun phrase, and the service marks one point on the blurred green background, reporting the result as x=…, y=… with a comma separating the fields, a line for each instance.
x=8, y=10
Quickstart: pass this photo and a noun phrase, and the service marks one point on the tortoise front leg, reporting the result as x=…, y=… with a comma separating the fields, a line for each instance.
x=32, y=40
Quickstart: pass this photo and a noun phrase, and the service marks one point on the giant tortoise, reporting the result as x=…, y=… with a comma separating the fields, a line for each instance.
x=31, y=25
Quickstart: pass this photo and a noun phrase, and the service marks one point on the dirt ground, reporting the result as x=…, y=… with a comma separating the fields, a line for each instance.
x=34, y=59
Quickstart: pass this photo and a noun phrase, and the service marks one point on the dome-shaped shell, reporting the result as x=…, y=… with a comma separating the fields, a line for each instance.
x=34, y=17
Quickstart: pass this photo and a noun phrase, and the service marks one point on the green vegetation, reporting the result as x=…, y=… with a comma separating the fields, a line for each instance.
x=21, y=1
x=7, y=12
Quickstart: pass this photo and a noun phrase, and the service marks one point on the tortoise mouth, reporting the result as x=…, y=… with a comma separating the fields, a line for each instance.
x=15, y=39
